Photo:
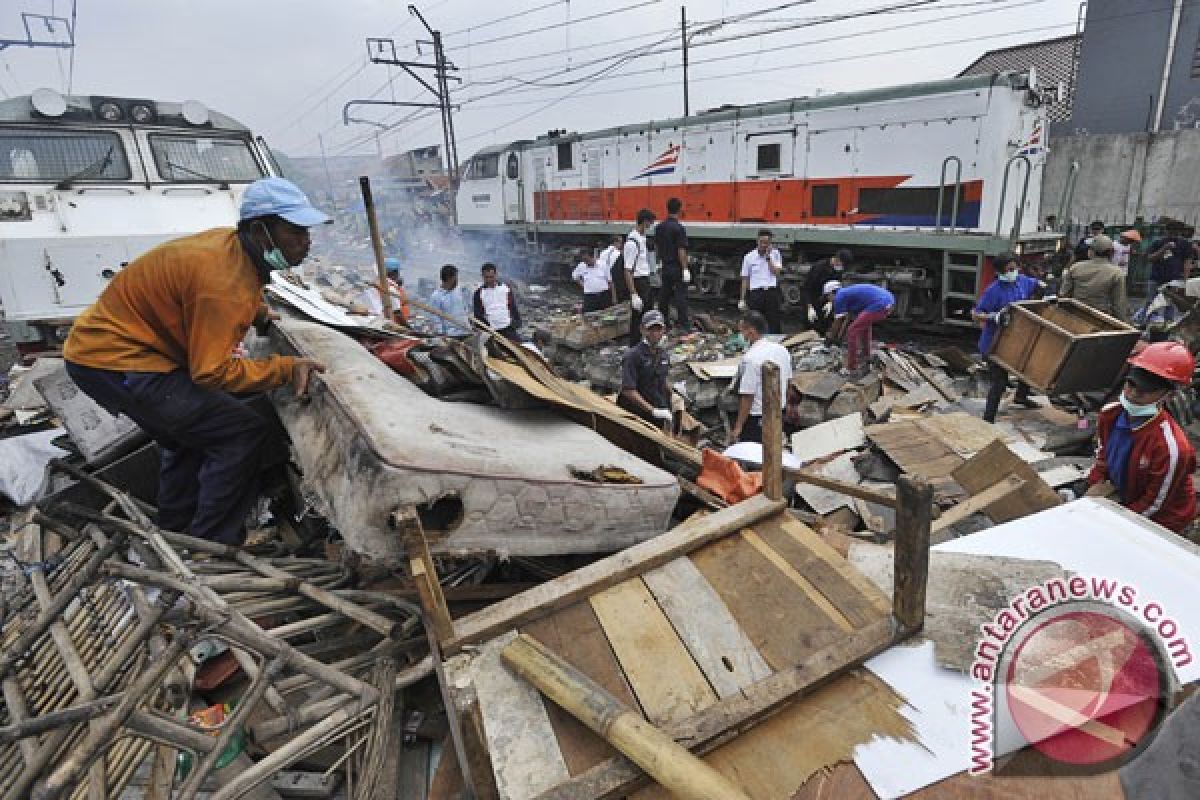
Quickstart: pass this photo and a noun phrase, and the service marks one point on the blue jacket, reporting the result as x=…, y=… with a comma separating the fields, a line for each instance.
x=862, y=297
x=998, y=296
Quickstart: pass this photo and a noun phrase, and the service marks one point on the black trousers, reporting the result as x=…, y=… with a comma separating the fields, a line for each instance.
x=752, y=430
x=643, y=289
x=212, y=446
x=998, y=376
x=674, y=290
x=767, y=302
x=596, y=301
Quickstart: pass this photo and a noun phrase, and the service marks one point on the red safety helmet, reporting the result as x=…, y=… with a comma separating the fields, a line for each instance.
x=1170, y=360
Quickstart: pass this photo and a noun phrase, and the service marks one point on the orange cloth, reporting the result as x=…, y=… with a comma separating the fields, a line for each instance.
x=186, y=303
x=723, y=477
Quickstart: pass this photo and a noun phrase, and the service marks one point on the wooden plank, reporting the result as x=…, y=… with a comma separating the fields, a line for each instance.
x=447, y=783
x=575, y=634
x=668, y=684
x=915, y=504
x=853, y=600
x=524, y=752
x=707, y=729
x=778, y=617
x=772, y=432
x=848, y=489
x=990, y=466
x=718, y=646
x=565, y=590
x=957, y=513
x=832, y=436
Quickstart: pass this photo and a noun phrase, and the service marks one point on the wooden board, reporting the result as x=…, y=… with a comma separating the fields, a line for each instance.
x=834, y=436
x=918, y=453
x=726, y=656
x=668, y=684
x=996, y=462
x=785, y=625
x=823, y=500
x=575, y=632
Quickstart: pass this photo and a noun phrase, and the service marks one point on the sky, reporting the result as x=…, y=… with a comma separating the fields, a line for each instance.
x=286, y=68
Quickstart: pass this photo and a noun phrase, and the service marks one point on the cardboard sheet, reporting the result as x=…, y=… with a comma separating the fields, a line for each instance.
x=1088, y=537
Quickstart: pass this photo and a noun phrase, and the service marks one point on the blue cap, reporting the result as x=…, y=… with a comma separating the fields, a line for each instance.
x=281, y=198
x=391, y=264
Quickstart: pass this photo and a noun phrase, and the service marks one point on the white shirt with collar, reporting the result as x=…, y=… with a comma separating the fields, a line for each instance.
x=757, y=268
x=595, y=277
x=750, y=372
x=636, y=259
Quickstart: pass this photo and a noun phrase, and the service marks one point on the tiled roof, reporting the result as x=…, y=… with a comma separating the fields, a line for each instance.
x=1055, y=60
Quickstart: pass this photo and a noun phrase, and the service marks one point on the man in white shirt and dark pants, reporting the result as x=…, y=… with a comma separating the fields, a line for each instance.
x=637, y=271
x=593, y=278
x=495, y=305
x=748, y=425
x=760, y=282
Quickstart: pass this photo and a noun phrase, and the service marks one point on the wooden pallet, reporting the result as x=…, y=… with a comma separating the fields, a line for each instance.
x=705, y=631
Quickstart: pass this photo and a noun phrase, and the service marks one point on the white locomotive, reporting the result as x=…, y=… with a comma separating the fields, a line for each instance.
x=924, y=182
x=88, y=183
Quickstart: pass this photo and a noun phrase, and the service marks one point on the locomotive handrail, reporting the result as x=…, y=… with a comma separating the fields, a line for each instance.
x=1020, y=212
x=942, y=193
x=1068, y=196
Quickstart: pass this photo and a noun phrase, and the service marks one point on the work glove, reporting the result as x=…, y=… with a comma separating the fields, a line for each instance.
x=662, y=413
x=742, y=305
x=812, y=315
x=687, y=275
x=636, y=302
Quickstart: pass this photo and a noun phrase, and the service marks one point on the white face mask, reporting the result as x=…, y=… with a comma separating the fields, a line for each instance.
x=1135, y=410
x=1008, y=277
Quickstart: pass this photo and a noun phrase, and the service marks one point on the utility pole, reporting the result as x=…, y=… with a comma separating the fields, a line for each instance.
x=683, y=29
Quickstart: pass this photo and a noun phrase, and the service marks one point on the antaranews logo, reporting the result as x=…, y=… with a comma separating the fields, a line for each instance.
x=1080, y=668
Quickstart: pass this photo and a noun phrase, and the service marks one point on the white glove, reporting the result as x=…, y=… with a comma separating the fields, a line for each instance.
x=812, y=314
x=662, y=413
x=636, y=301
x=687, y=275
x=995, y=317
x=742, y=305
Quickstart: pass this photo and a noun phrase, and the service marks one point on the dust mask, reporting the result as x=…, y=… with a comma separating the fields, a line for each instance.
x=274, y=257
x=1135, y=410
x=1008, y=277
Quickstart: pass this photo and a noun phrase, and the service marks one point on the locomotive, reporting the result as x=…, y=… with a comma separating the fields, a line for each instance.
x=925, y=183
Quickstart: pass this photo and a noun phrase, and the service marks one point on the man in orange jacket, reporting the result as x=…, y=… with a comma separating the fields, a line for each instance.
x=158, y=346
x=1142, y=455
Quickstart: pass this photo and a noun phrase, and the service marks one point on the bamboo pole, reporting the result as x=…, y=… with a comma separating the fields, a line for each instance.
x=679, y=772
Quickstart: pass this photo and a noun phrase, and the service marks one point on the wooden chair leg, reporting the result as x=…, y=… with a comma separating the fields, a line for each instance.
x=914, y=509
x=424, y=574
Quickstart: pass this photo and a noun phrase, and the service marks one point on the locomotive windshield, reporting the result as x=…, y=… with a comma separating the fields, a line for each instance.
x=188, y=159
x=51, y=155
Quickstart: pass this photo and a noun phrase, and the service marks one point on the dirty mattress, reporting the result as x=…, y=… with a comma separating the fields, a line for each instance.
x=370, y=442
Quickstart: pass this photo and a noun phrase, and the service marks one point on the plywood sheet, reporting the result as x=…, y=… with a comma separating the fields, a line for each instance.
x=963, y=433
x=668, y=684
x=718, y=645
x=773, y=760
x=963, y=593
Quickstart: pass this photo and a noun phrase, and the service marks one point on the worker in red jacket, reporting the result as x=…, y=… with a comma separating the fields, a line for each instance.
x=1143, y=457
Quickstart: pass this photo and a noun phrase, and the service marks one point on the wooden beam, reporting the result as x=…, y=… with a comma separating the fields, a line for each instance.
x=913, y=510
x=977, y=503
x=848, y=489
x=424, y=573
x=681, y=773
x=772, y=432
x=567, y=589
x=710, y=728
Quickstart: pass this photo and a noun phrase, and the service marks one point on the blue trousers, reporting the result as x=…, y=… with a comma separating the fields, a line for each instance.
x=211, y=446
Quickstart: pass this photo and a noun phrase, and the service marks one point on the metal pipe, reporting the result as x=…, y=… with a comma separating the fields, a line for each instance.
x=942, y=192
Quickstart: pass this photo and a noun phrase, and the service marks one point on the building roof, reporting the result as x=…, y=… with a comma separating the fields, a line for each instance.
x=1056, y=62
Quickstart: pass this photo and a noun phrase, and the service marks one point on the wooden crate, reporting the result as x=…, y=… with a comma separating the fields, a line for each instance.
x=705, y=631
x=1063, y=347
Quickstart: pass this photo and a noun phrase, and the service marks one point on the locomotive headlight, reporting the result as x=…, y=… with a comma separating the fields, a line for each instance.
x=109, y=111
x=141, y=114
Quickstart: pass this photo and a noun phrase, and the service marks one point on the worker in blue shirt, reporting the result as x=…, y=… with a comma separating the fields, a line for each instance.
x=856, y=309
x=1010, y=286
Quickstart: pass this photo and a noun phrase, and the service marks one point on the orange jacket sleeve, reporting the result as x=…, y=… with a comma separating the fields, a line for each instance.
x=214, y=326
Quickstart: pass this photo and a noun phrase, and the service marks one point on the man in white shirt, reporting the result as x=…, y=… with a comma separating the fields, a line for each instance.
x=637, y=271
x=608, y=257
x=748, y=425
x=495, y=305
x=593, y=277
x=760, y=282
